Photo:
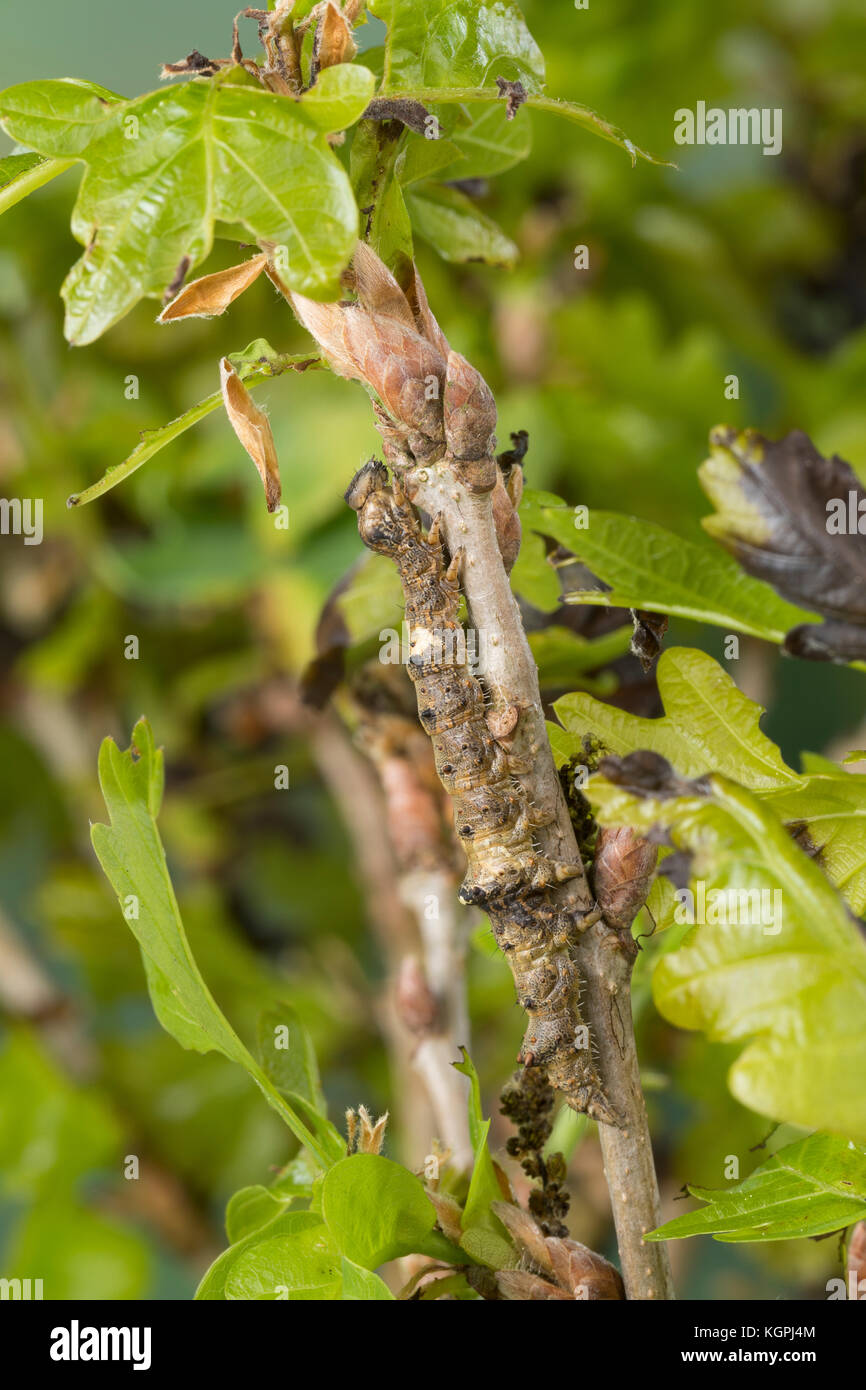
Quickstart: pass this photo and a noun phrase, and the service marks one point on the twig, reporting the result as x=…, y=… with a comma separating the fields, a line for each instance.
x=437, y=416
x=430, y=998
x=509, y=672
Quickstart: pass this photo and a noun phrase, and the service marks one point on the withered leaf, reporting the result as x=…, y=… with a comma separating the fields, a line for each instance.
x=798, y=521
x=646, y=642
x=647, y=774
x=563, y=1268
x=253, y=429
x=507, y=523
x=857, y=1256
x=212, y=294
x=623, y=868
x=333, y=41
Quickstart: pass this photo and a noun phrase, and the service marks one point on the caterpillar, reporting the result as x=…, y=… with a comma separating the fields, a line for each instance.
x=506, y=874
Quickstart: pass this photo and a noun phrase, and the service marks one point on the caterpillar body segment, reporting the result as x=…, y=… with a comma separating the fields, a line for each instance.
x=507, y=875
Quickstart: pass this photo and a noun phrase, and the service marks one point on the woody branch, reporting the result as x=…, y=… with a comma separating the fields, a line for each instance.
x=391, y=342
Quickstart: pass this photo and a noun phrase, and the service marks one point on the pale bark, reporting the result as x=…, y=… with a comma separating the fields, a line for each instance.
x=507, y=668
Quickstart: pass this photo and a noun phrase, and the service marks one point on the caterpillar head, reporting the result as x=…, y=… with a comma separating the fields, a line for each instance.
x=381, y=515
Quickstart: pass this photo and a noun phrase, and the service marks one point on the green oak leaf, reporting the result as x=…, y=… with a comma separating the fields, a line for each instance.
x=418, y=158
x=132, y=857
x=809, y=1188
x=339, y=97
x=650, y=568
x=490, y=143
x=450, y=52
x=456, y=228
x=22, y=174
x=793, y=983
x=57, y=117
x=464, y=44
x=709, y=725
x=372, y=165
x=160, y=170
x=831, y=809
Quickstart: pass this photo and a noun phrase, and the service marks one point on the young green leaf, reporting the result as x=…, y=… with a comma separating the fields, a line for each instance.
x=162, y=168
x=449, y=52
x=302, y=1266
x=776, y=956
x=287, y=1055
x=489, y=144
x=709, y=725
x=456, y=228
x=484, y=1237
x=22, y=174
x=462, y=44
x=650, y=568
x=132, y=857
x=828, y=810
x=375, y=1209
x=57, y=118
x=289, y=1224
x=809, y=1188
x=362, y=1285
x=569, y=110
x=419, y=158
x=339, y=97
x=372, y=164
x=251, y=1208
x=255, y=364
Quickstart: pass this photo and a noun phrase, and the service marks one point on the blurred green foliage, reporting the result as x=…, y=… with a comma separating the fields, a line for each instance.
x=735, y=263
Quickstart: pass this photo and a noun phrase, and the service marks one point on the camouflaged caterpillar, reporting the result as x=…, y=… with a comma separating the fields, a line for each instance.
x=507, y=875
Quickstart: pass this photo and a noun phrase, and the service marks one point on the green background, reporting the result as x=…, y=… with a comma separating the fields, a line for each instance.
x=735, y=263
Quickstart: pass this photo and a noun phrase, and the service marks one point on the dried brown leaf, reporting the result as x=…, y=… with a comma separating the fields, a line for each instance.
x=583, y=1273
x=623, y=869
x=798, y=521
x=212, y=294
x=333, y=42
x=518, y=1285
x=857, y=1256
x=376, y=287
x=507, y=524
x=572, y=1269
x=253, y=429
x=448, y=1213
x=390, y=357
x=526, y=1234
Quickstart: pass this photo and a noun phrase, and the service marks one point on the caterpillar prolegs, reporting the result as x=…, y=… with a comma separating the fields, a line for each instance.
x=507, y=874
